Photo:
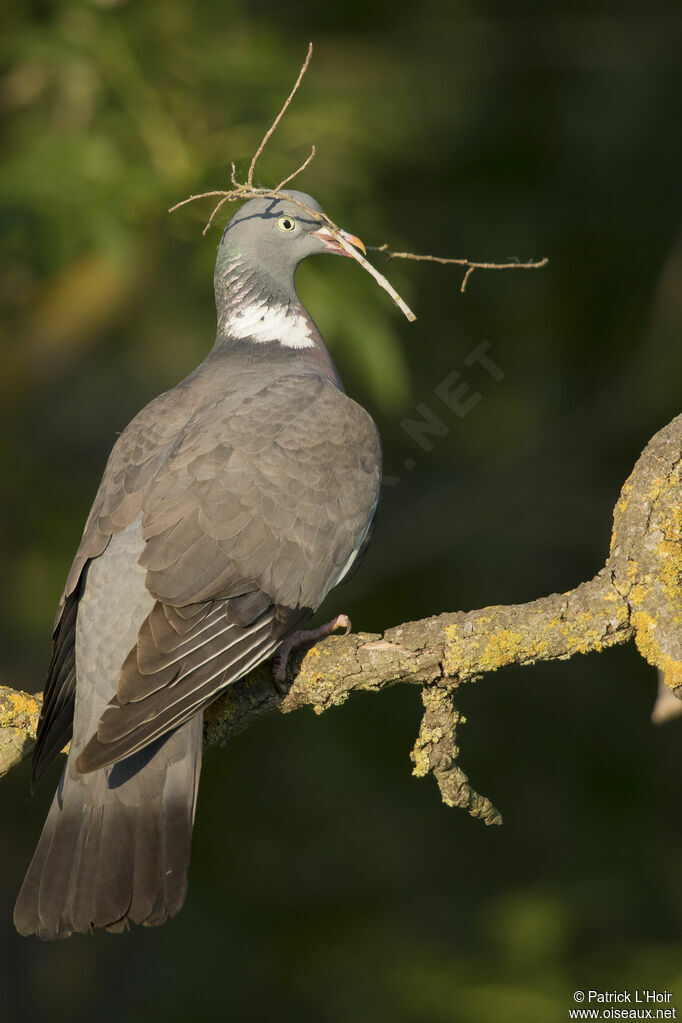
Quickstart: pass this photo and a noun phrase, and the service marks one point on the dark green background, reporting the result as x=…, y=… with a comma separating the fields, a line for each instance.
x=326, y=883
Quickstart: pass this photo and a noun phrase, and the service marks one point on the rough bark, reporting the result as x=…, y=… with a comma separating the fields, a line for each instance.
x=636, y=596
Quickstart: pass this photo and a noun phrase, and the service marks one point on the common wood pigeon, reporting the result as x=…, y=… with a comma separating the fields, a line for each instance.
x=228, y=509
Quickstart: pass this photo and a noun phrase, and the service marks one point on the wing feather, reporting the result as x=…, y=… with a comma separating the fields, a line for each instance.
x=125, y=728
x=55, y=724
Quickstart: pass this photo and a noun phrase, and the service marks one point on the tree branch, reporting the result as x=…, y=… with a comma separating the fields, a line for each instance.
x=637, y=595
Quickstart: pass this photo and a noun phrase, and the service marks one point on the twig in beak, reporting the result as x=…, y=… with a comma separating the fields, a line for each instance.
x=379, y=278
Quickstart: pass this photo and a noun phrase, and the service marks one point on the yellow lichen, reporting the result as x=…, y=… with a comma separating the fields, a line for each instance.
x=670, y=577
x=645, y=637
x=672, y=672
x=421, y=762
x=19, y=710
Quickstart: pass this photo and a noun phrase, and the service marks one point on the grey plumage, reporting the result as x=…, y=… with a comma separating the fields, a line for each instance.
x=228, y=509
x=115, y=843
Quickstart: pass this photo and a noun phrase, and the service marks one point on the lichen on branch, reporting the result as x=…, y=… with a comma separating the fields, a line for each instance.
x=18, y=722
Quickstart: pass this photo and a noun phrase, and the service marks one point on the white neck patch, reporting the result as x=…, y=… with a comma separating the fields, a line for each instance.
x=261, y=322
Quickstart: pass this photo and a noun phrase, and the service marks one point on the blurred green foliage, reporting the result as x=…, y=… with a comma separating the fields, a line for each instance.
x=326, y=884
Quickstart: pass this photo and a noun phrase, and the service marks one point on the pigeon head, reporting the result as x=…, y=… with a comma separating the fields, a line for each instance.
x=275, y=235
x=260, y=249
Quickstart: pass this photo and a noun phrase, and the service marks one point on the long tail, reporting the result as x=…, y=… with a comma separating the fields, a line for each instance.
x=115, y=848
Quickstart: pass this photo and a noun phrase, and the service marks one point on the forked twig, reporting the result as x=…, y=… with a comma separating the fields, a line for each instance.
x=470, y=264
x=271, y=130
x=296, y=172
x=246, y=190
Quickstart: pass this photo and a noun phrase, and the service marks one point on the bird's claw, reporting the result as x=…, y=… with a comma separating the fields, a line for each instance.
x=298, y=638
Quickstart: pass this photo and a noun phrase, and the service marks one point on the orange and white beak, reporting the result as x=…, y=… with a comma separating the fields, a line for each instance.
x=331, y=243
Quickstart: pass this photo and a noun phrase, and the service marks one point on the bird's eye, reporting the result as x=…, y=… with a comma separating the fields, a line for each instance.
x=286, y=223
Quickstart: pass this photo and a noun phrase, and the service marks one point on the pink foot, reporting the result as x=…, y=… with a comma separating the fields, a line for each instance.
x=298, y=638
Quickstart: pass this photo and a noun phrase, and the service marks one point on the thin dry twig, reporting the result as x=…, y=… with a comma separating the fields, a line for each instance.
x=246, y=190
x=379, y=278
x=470, y=264
x=271, y=130
x=296, y=172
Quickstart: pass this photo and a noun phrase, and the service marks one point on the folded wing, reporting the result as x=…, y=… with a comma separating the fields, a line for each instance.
x=246, y=529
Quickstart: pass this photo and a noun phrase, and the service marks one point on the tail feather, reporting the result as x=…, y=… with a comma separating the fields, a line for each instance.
x=115, y=848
